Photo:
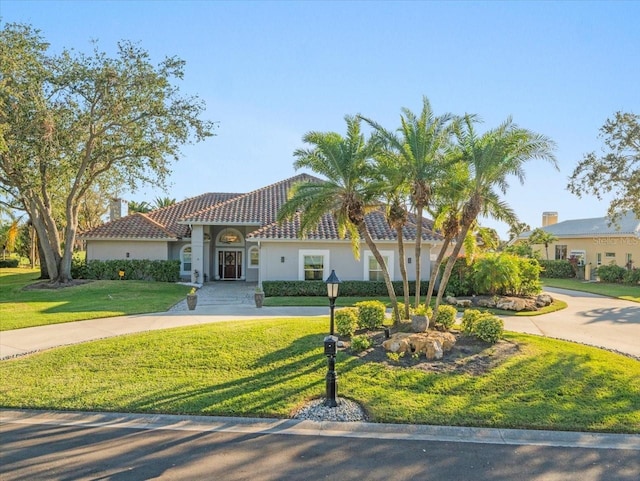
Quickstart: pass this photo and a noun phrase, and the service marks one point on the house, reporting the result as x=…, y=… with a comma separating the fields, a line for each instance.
x=594, y=241
x=232, y=237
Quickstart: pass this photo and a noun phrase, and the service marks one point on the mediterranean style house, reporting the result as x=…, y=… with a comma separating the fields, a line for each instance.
x=593, y=242
x=236, y=237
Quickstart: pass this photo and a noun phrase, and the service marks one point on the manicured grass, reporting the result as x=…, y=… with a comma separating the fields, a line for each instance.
x=269, y=368
x=621, y=291
x=21, y=308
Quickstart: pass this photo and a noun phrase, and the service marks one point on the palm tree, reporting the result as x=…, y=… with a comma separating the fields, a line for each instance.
x=518, y=228
x=349, y=192
x=395, y=193
x=161, y=202
x=541, y=236
x=421, y=146
x=142, y=207
x=491, y=159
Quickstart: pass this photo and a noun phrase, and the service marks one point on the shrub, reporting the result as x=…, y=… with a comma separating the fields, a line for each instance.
x=319, y=288
x=136, y=269
x=9, y=263
x=370, y=314
x=632, y=276
x=360, y=343
x=461, y=280
x=488, y=328
x=560, y=269
x=445, y=316
x=346, y=321
x=469, y=319
x=611, y=273
x=530, y=270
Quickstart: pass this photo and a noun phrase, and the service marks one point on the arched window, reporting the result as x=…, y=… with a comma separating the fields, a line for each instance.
x=185, y=260
x=230, y=236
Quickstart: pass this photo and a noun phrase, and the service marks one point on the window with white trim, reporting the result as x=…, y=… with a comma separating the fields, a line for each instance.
x=373, y=270
x=185, y=259
x=313, y=265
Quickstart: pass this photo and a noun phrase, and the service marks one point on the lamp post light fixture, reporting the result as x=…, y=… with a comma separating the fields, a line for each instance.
x=331, y=343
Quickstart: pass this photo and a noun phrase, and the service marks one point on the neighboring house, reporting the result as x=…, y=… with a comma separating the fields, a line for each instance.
x=230, y=237
x=592, y=241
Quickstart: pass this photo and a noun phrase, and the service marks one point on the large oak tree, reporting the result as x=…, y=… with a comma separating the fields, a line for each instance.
x=73, y=121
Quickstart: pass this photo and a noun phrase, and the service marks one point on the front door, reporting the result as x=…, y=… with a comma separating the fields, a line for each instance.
x=230, y=264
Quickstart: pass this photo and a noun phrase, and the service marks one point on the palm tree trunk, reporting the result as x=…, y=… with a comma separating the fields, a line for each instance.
x=364, y=232
x=450, y=263
x=403, y=272
x=435, y=273
x=419, y=209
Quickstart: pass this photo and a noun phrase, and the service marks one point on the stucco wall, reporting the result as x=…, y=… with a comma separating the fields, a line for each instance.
x=281, y=260
x=619, y=246
x=108, y=250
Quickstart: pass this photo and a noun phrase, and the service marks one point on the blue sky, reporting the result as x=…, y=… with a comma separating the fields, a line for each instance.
x=271, y=71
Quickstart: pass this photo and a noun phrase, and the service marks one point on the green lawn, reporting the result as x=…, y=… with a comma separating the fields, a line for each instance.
x=268, y=368
x=25, y=308
x=621, y=291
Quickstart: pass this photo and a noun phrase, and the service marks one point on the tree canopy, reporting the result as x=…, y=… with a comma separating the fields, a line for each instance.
x=74, y=121
x=617, y=170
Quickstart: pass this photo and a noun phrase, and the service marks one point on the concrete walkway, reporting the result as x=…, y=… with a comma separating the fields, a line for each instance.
x=590, y=319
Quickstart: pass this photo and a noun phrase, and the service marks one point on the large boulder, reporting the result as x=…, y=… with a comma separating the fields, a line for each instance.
x=543, y=300
x=511, y=304
x=432, y=344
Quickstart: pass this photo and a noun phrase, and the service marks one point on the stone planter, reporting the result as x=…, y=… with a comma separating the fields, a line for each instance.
x=259, y=298
x=192, y=300
x=419, y=323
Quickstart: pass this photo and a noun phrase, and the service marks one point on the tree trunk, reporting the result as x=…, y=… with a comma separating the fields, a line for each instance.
x=419, y=209
x=403, y=272
x=450, y=263
x=435, y=273
x=362, y=228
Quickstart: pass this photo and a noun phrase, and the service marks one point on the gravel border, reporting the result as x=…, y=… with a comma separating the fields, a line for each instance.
x=346, y=411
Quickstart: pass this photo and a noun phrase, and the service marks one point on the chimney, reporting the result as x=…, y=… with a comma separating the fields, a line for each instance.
x=118, y=208
x=549, y=218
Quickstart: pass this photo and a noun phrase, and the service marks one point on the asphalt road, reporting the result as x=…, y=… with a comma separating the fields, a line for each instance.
x=112, y=452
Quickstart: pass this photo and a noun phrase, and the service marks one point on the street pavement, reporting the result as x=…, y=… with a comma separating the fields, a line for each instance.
x=78, y=445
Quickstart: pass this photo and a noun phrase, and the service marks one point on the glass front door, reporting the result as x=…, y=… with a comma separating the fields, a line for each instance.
x=230, y=264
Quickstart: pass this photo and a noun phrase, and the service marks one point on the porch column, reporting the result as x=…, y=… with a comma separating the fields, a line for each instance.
x=197, y=253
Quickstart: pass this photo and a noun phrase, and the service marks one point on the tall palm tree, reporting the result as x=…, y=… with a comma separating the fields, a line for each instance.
x=142, y=207
x=421, y=142
x=541, y=236
x=348, y=193
x=161, y=202
x=518, y=228
x=491, y=158
x=395, y=193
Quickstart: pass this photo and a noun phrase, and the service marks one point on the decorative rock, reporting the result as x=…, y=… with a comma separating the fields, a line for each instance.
x=543, y=300
x=464, y=303
x=419, y=323
x=511, y=304
x=431, y=343
x=486, y=302
x=451, y=300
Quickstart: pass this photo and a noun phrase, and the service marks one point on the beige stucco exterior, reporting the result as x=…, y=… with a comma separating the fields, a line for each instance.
x=598, y=250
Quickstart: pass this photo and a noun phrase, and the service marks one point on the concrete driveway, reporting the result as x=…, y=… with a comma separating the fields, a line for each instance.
x=590, y=319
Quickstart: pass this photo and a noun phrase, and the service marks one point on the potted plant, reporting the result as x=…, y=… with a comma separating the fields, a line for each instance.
x=259, y=296
x=192, y=299
x=420, y=318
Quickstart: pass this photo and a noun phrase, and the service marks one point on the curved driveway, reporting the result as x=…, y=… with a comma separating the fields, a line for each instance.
x=590, y=319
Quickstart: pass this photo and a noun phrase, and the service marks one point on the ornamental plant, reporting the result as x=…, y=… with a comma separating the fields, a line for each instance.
x=370, y=314
x=445, y=316
x=346, y=321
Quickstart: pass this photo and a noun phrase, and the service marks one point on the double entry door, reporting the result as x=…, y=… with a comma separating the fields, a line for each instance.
x=230, y=264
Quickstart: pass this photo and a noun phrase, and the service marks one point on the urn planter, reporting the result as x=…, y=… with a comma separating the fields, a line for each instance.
x=192, y=300
x=259, y=298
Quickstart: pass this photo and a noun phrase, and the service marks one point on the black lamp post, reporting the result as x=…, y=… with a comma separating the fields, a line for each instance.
x=331, y=343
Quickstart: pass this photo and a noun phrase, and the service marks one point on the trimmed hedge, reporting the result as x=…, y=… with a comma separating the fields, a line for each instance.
x=370, y=314
x=12, y=263
x=346, y=321
x=134, y=269
x=560, y=269
x=347, y=288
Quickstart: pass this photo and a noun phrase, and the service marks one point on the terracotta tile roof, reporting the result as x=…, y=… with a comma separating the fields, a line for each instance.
x=259, y=208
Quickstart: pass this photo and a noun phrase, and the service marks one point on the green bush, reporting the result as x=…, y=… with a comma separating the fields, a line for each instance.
x=461, y=280
x=611, y=273
x=346, y=321
x=469, y=319
x=632, y=277
x=488, y=328
x=559, y=269
x=445, y=316
x=347, y=288
x=12, y=263
x=360, y=343
x=370, y=314
x=135, y=269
